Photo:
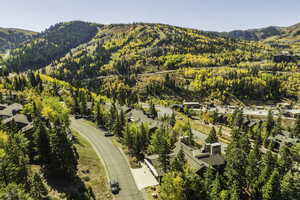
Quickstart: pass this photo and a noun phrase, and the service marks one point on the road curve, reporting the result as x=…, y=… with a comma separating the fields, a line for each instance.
x=116, y=165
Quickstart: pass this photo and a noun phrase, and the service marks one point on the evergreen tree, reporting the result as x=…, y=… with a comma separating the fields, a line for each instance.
x=41, y=141
x=289, y=187
x=173, y=119
x=220, y=132
x=212, y=137
x=152, y=110
x=38, y=190
x=216, y=188
x=253, y=171
x=14, y=192
x=271, y=190
x=296, y=130
x=17, y=160
x=179, y=161
x=270, y=123
x=63, y=155
x=189, y=133
x=285, y=160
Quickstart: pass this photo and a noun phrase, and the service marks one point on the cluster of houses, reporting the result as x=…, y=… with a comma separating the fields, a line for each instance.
x=11, y=116
x=198, y=158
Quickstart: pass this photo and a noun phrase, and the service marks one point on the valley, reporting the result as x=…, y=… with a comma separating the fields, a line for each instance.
x=206, y=115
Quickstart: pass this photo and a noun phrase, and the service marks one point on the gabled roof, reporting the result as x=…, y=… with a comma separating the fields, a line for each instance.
x=197, y=162
x=8, y=111
x=18, y=118
x=139, y=117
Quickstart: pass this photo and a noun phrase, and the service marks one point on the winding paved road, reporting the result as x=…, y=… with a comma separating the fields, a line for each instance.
x=115, y=162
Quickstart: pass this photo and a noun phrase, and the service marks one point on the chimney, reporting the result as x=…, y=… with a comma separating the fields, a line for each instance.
x=206, y=148
x=215, y=148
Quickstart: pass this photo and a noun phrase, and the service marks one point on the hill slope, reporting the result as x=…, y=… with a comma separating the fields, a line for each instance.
x=255, y=34
x=135, y=48
x=11, y=38
x=49, y=45
x=289, y=38
x=280, y=37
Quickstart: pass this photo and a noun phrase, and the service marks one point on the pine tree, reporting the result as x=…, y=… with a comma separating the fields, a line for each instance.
x=285, y=160
x=190, y=134
x=253, y=171
x=41, y=141
x=289, y=187
x=216, y=188
x=271, y=190
x=270, y=123
x=63, y=155
x=296, y=130
x=152, y=110
x=220, y=132
x=38, y=189
x=179, y=161
x=212, y=137
x=208, y=180
x=173, y=119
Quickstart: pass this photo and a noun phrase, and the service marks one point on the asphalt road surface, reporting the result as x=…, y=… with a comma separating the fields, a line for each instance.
x=115, y=162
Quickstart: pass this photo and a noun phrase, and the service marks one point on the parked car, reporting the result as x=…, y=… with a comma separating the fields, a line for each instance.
x=114, y=186
x=108, y=134
x=77, y=116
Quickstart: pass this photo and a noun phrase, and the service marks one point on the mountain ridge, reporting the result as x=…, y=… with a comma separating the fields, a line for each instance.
x=12, y=37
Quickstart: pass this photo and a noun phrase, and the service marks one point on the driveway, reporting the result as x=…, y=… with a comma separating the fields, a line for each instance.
x=143, y=177
x=116, y=165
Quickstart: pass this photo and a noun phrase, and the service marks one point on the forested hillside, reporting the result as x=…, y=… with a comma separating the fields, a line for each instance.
x=289, y=38
x=49, y=45
x=136, y=48
x=255, y=34
x=281, y=37
x=11, y=38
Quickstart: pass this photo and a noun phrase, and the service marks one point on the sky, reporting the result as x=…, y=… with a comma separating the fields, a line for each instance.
x=210, y=15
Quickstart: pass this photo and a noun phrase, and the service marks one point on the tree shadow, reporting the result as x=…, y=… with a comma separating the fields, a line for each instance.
x=72, y=188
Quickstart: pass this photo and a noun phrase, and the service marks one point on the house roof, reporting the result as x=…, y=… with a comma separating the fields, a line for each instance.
x=3, y=106
x=18, y=118
x=191, y=103
x=154, y=159
x=8, y=111
x=27, y=128
x=197, y=162
x=139, y=117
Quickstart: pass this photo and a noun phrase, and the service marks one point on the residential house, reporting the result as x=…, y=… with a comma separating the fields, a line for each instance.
x=17, y=121
x=10, y=110
x=199, y=159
